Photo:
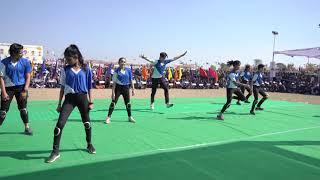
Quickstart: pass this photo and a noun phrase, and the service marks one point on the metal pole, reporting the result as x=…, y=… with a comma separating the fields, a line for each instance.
x=274, y=44
x=272, y=70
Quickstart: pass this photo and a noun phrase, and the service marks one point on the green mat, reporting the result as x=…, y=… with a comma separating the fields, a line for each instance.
x=183, y=142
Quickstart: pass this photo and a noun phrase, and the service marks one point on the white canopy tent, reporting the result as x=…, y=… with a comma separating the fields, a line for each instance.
x=307, y=52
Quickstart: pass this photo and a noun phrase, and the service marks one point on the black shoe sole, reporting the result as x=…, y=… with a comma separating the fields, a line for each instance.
x=28, y=134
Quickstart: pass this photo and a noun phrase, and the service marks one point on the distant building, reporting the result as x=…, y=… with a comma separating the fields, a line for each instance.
x=32, y=52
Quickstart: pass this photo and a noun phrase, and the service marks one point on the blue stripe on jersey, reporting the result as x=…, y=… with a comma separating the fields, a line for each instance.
x=124, y=79
x=247, y=76
x=80, y=82
x=259, y=79
x=16, y=75
x=161, y=66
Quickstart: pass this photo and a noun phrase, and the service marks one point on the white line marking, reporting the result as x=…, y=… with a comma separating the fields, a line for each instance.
x=235, y=139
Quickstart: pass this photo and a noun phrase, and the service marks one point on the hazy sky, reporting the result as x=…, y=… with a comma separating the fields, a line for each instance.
x=210, y=30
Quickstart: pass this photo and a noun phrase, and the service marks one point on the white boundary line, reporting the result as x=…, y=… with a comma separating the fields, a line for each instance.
x=132, y=155
x=236, y=139
x=208, y=144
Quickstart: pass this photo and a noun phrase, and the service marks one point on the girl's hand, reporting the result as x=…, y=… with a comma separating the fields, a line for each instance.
x=184, y=53
x=142, y=56
x=59, y=108
x=5, y=96
x=24, y=94
x=91, y=106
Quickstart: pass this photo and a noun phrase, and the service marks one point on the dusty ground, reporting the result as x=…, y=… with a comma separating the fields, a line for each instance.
x=52, y=94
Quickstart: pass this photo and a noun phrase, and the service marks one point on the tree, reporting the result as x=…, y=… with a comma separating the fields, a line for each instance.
x=213, y=67
x=224, y=67
x=311, y=67
x=290, y=67
x=257, y=62
x=281, y=66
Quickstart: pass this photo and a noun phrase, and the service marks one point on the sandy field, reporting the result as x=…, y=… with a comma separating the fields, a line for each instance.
x=52, y=94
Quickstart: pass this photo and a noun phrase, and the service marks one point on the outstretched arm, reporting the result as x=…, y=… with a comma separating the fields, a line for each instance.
x=178, y=57
x=145, y=58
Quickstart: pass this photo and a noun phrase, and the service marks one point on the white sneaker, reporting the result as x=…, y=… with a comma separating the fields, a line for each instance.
x=152, y=106
x=108, y=120
x=130, y=119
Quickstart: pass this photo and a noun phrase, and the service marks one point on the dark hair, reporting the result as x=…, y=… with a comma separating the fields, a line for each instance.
x=15, y=48
x=233, y=63
x=73, y=51
x=260, y=66
x=121, y=59
x=247, y=67
x=163, y=55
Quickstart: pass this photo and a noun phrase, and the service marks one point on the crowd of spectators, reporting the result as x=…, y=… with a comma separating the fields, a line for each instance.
x=47, y=76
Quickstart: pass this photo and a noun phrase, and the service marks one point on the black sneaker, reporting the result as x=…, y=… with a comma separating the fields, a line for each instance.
x=28, y=131
x=252, y=112
x=238, y=103
x=91, y=149
x=259, y=109
x=169, y=105
x=53, y=156
x=247, y=101
x=220, y=117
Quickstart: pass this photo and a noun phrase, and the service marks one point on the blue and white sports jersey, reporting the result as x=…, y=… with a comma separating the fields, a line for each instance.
x=79, y=81
x=14, y=74
x=246, y=75
x=232, y=78
x=122, y=77
x=257, y=79
x=159, y=68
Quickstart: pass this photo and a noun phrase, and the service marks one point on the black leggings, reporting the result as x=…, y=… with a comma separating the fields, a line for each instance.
x=123, y=90
x=239, y=96
x=22, y=103
x=243, y=89
x=256, y=91
x=71, y=101
x=163, y=85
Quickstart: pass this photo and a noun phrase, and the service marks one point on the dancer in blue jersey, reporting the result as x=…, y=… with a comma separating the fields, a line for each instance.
x=122, y=81
x=158, y=76
x=232, y=87
x=245, y=78
x=257, y=82
x=76, y=84
x=15, y=80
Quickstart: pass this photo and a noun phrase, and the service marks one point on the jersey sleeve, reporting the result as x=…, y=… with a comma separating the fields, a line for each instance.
x=62, y=77
x=28, y=68
x=168, y=61
x=232, y=77
x=255, y=77
x=114, y=77
x=130, y=75
x=89, y=78
x=2, y=69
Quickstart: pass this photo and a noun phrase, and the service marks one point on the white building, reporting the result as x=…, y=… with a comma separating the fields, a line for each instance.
x=32, y=52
